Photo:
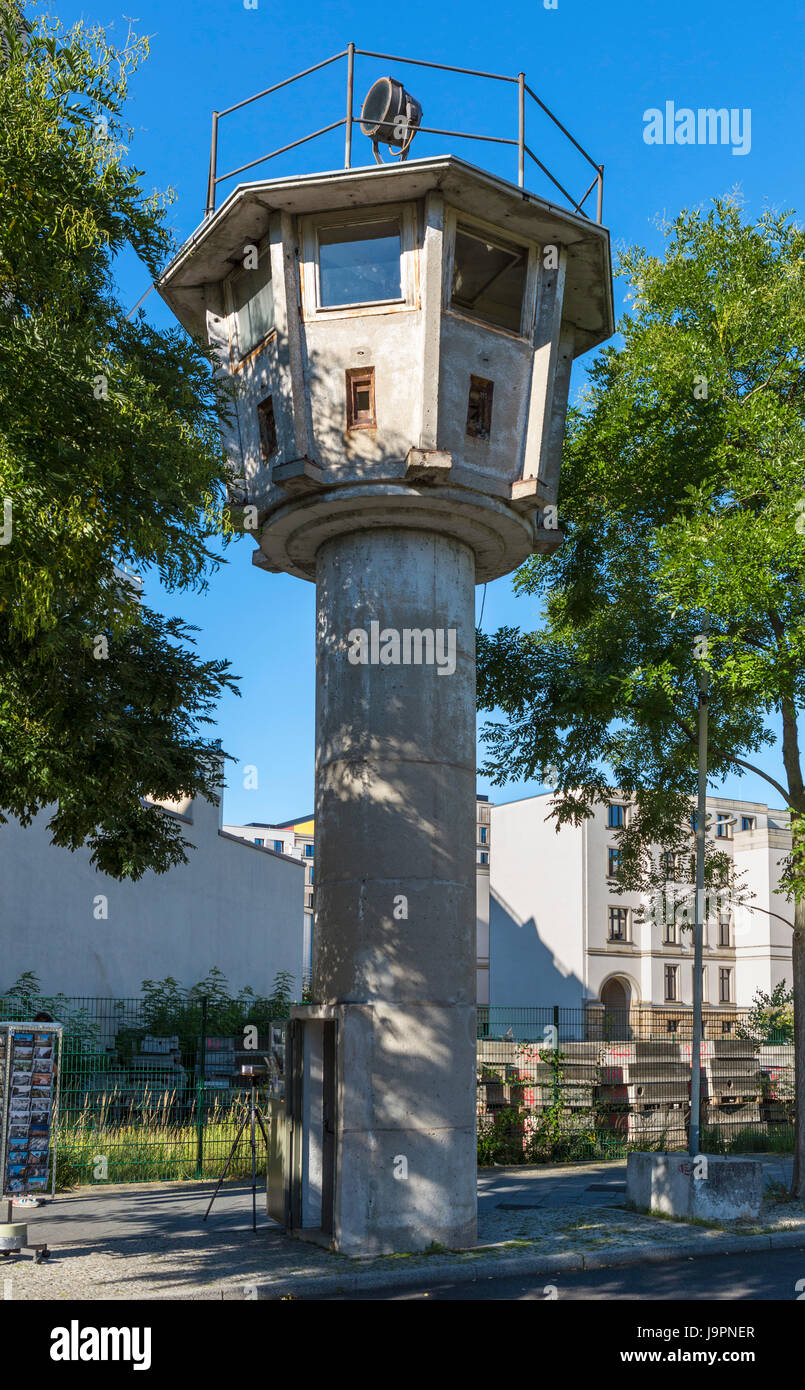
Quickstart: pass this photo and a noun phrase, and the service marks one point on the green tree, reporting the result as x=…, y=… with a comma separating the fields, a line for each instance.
x=771, y=1017
x=682, y=502
x=110, y=460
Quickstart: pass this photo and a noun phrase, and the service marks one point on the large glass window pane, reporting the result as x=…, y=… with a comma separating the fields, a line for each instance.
x=489, y=280
x=359, y=264
x=253, y=299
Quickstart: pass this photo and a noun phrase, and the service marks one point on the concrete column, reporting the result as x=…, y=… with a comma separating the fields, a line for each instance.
x=395, y=881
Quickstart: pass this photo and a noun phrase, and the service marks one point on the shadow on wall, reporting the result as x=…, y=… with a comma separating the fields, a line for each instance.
x=523, y=970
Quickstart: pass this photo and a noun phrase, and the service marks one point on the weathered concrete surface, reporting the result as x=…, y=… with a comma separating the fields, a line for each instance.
x=395, y=953
x=707, y=1188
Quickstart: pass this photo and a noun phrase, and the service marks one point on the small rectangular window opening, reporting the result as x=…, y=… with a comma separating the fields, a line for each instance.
x=361, y=398
x=268, y=428
x=479, y=408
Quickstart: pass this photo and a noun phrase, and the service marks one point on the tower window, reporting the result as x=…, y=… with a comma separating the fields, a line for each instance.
x=268, y=428
x=479, y=408
x=489, y=280
x=359, y=264
x=361, y=398
x=253, y=302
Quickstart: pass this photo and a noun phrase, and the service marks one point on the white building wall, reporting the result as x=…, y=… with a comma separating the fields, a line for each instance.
x=550, y=895
x=535, y=909
x=232, y=905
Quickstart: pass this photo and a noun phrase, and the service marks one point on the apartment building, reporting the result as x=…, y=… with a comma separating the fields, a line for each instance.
x=561, y=933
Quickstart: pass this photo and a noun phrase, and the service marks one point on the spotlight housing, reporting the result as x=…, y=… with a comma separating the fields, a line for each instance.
x=391, y=116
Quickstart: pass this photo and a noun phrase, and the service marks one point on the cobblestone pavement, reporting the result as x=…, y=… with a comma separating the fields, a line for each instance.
x=148, y=1240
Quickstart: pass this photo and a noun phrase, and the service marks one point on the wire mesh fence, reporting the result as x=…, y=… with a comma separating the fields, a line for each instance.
x=141, y=1103
x=150, y=1094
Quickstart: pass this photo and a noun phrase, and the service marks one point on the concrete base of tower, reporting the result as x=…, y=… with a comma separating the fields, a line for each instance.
x=388, y=1081
x=400, y=1171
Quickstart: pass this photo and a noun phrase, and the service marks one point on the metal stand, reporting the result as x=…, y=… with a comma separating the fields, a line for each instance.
x=11, y=1243
x=253, y=1118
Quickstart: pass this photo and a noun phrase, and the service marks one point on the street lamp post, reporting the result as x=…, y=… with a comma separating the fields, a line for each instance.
x=698, y=929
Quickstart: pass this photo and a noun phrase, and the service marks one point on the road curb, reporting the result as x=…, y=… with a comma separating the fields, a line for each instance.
x=461, y=1270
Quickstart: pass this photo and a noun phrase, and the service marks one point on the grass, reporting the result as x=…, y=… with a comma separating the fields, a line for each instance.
x=152, y=1146
x=769, y=1139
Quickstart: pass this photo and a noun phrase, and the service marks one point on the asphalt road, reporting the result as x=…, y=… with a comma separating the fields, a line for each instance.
x=771, y=1275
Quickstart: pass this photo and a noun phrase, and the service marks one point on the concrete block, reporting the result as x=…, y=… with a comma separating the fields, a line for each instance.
x=707, y=1187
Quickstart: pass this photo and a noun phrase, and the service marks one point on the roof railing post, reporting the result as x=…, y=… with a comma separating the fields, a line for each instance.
x=350, y=89
x=210, y=208
x=600, y=212
x=521, y=129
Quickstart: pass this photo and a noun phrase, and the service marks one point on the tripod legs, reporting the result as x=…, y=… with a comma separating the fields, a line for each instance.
x=252, y=1118
x=226, y=1168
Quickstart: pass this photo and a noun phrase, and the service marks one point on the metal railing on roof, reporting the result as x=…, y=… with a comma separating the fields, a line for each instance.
x=350, y=53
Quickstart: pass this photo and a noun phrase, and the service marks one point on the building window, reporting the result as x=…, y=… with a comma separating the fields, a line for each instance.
x=361, y=398
x=671, y=984
x=268, y=428
x=724, y=930
x=311, y=872
x=748, y=822
x=671, y=936
x=618, y=924
x=725, y=986
x=613, y=862
x=489, y=280
x=616, y=816
x=279, y=846
x=359, y=264
x=308, y=851
x=482, y=834
x=672, y=1026
x=479, y=408
x=253, y=304
x=309, y=897
x=484, y=857
x=259, y=842
x=723, y=823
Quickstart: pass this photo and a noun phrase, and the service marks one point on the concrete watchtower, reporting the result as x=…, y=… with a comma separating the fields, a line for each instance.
x=403, y=337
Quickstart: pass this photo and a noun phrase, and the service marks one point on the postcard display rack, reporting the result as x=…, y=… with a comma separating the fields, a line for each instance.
x=30, y=1058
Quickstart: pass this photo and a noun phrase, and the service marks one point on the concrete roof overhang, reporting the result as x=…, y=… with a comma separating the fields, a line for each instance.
x=217, y=244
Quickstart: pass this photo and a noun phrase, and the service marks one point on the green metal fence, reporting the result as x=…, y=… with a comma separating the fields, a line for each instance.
x=149, y=1092
x=141, y=1101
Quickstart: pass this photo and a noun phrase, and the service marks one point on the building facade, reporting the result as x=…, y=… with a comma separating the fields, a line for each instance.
x=560, y=933
x=233, y=906
x=293, y=838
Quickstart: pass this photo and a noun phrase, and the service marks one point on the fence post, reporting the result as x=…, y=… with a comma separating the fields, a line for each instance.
x=201, y=1072
x=556, y=1055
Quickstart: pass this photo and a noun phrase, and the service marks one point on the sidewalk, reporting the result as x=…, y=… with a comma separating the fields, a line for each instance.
x=148, y=1240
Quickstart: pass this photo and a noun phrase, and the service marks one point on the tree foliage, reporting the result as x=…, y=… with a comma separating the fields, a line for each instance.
x=682, y=489
x=110, y=460
x=683, y=497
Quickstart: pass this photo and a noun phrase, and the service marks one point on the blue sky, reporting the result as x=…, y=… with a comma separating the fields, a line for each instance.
x=599, y=66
